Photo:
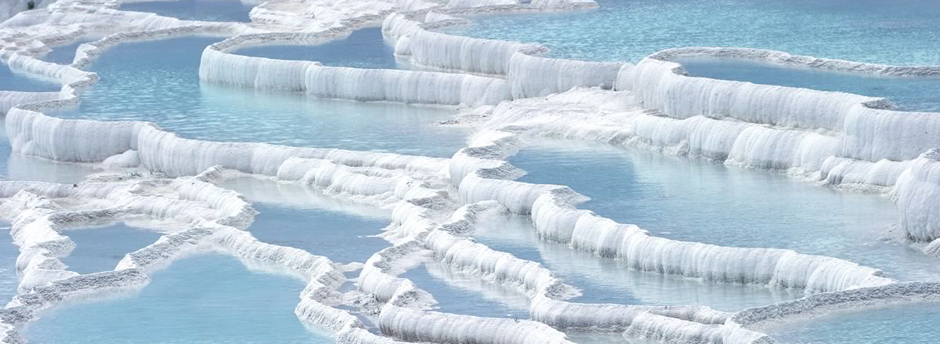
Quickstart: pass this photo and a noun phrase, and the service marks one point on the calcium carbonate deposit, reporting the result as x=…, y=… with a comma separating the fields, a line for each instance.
x=391, y=171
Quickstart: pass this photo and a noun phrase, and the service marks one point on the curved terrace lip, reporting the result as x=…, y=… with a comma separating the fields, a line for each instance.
x=843, y=139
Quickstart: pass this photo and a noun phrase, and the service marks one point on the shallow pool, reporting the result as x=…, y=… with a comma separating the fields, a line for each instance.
x=894, y=32
x=906, y=323
x=202, y=299
x=100, y=249
x=911, y=94
x=693, y=200
x=364, y=48
x=205, y=10
x=158, y=81
x=342, y=237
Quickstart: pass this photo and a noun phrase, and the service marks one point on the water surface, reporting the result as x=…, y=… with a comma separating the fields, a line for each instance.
x=202, y=299
x=100, y=249
x=893, y=32
x=205, y=10
x=158, y=81
x=364, y=48
x=906, y=323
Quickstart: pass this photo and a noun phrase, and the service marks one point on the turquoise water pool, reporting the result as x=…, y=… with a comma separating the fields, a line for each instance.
x=100, y=249
x=904, y=323
x=366, y=46
x=894, y=32
x=206, y=10
x=343, y=237
x=202, y=299
x=158, y=81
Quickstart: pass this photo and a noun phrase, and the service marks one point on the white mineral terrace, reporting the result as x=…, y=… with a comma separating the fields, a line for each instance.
x=510, y=94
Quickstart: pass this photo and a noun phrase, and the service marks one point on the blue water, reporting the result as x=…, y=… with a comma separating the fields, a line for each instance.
x=363, y=48
x=698, y=201
x=914, y=94
x=65, y=54
x=202, y=299
x=342, y=237
x=205, y=10
x=907, y=323
x=158, y=81
x=894, y=32
x=611, y=281
x=100, y=249
x=466, y=294
x=11, y=80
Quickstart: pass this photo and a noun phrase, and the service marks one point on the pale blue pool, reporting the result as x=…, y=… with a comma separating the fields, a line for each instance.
x=905, y=323
x=158, y=81
x=894, y=32
x=364, y=48
x=699, y=201
x=342, y=237
x=202, y=299
x=205, y=10
x=100, y=249
x=912, y=94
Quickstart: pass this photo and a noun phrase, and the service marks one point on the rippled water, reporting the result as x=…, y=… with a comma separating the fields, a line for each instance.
x=914, y=94
x=158, y=81
x=203, y=299
x=704, y=202
x=906, y=323
x=895, y=32
x=367, y=46
x=206, y=10
x=100, y=249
